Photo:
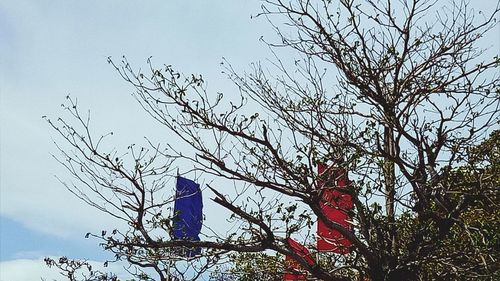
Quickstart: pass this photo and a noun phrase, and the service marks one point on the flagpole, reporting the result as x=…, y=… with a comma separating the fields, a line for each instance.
x=170, y=252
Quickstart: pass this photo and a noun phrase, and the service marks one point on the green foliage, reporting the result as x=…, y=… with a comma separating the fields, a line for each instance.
x=469, y=250
x=252, y=266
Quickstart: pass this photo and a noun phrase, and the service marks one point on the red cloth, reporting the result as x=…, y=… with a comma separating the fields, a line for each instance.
x=292, y=264
x=335, y=204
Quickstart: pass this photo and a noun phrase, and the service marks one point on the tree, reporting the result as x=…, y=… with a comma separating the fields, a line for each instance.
x=463, y=253
x=470, y=247
x=395, y=98
x=76, y=270
x=252, y=266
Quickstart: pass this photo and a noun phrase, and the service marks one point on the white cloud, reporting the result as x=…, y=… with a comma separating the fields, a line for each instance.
x=25, y=269
x=35, y=269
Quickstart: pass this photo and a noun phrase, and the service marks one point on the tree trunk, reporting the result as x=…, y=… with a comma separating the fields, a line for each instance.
x=389, y=177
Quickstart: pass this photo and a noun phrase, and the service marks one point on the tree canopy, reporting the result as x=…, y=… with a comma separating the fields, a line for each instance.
x=397, y=94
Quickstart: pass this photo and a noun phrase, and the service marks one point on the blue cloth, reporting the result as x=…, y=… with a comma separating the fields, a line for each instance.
x=188, y=213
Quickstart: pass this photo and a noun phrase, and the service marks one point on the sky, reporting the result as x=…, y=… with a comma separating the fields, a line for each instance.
x=52, y=48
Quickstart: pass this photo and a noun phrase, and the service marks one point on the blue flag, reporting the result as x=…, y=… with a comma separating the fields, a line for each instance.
x=188, y=213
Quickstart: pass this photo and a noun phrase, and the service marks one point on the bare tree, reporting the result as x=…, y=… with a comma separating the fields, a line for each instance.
x=394, y=92
x=77, y=270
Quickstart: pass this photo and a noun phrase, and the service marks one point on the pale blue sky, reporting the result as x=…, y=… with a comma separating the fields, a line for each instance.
x=51, y=48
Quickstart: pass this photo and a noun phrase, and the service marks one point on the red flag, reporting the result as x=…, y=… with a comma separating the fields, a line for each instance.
x=334, y=204
x=292, y=264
